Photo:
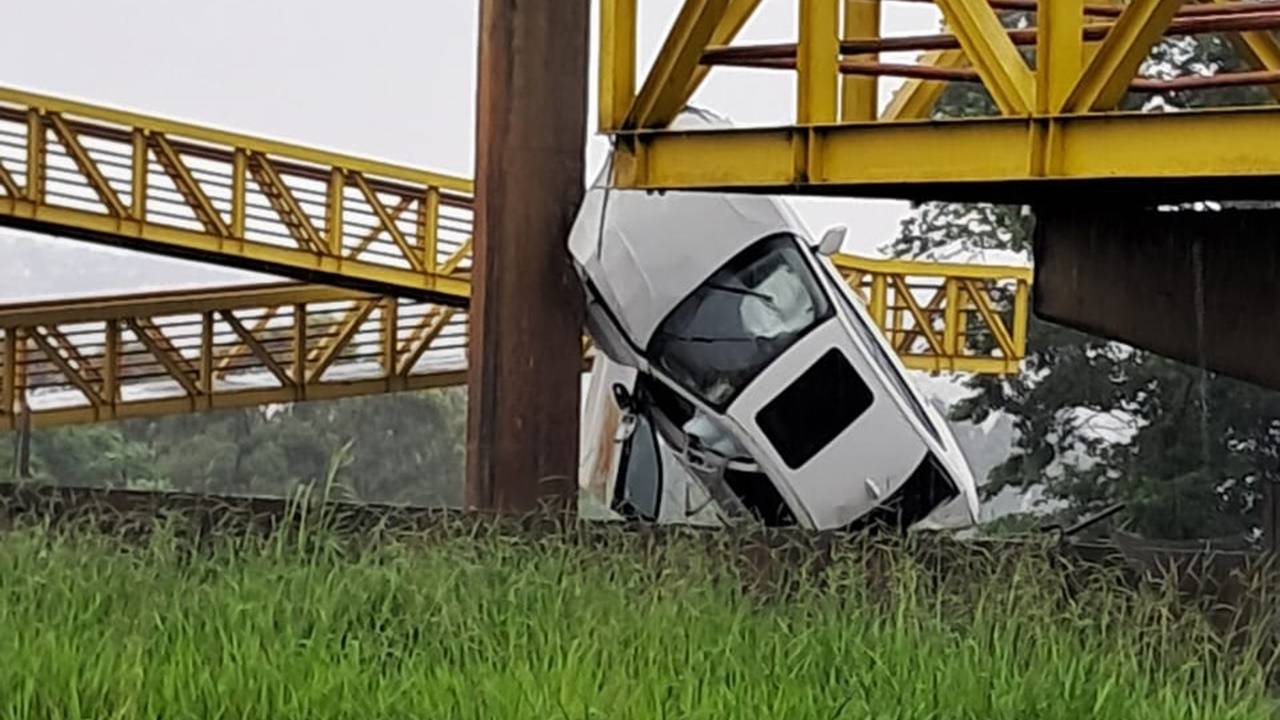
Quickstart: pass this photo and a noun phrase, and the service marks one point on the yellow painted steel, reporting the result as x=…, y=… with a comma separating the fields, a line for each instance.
x=1057, y=129
x=111, y=358
x=117, y=357
x=916, y=99
x=817, y=62
x=997, y=61
x=999, y=159
x=666, y=89
x=617, y=76
x=946, y=317
x=1060, y=49
x=174, y=188
x=735, y=16
x=859, y=96
x=1259, y=48
x=1106, y=78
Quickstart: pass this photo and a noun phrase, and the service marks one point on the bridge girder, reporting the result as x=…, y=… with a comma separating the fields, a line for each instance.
x=1058, y=127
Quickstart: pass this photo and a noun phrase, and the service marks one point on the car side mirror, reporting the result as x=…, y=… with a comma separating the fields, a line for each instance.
x=832, y=240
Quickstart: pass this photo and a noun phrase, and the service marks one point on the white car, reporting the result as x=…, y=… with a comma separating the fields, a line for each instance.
x=739, y=379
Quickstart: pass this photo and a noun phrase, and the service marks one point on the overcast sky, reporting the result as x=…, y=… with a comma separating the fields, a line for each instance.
x=392, y=79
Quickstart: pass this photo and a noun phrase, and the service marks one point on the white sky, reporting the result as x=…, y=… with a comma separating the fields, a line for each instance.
x=391, y=79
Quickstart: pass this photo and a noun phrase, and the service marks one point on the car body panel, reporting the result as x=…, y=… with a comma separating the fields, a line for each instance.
x=641, y=255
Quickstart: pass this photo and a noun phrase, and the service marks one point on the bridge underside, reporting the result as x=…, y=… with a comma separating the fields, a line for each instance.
x=1199, y=287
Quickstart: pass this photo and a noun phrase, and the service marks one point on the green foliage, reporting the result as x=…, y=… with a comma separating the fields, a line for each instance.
x=404, y=448
x=1097, y=421
x=98, y=454
x=472, y=625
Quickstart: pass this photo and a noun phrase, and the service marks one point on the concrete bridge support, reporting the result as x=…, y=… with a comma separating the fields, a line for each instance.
x=1200, y=287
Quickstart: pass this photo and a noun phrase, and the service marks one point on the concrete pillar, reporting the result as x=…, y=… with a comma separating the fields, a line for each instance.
x=1200, y=287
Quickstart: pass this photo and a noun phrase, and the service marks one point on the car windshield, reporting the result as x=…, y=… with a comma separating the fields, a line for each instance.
x=741, y=319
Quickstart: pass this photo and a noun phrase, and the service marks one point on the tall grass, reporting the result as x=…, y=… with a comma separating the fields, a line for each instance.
x=484, y=625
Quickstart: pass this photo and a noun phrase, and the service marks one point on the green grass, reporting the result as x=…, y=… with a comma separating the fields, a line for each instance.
x=485, y=626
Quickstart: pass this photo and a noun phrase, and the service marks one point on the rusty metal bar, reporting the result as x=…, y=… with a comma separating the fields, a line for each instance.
x=524, y=377
x=300, y=344
x=9, y=372
x=1188, y=10
x=111, y=363
x=755, y=55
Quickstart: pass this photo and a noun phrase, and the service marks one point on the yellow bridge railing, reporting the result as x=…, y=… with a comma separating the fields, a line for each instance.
x=111, y=358
x=173, y=188
x=392, y=244
x=115, y=357
x=946, y=316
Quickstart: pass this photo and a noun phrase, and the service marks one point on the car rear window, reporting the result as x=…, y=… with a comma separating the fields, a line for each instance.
x=806, y=416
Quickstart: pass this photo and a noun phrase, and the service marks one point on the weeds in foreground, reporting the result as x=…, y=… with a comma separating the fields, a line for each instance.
x=465, y=622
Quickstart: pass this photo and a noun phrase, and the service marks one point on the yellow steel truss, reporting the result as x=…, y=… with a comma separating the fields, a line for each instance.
x=946, y=316
x=109, y=358
x=1057, y=124
x=168, y=187
x=179, y=189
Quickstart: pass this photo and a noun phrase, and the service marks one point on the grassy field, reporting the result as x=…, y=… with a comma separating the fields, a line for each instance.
x=491, y=626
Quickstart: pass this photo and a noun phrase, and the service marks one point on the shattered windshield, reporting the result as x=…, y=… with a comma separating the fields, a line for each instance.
x=739, y=320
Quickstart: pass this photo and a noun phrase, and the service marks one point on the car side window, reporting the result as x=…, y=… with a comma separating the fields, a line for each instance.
x=637, y=494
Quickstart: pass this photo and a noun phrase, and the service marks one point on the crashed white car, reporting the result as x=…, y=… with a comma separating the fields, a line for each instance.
x=739, y=379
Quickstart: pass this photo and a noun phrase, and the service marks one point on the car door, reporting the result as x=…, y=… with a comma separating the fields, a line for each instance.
x=628, y=467
x=827, y=429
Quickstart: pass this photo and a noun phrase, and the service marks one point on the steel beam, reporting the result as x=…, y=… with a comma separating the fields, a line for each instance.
x=666, y=89
x=818, y=62
x=80, y=369
x=1207, y=153
x=617, y=70
x=265, y=331
x=1059, y=52
x=1003, y=71
x=526, y=307
x=1106, y=78
x=735, y=16
x=859, y=96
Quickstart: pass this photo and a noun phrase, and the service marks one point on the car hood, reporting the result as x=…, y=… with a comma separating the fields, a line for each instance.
x=645, y=251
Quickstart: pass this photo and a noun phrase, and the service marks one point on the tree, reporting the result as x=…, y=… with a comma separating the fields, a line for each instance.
x=88, y=456
x=403, y=447
x=1098, y=421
